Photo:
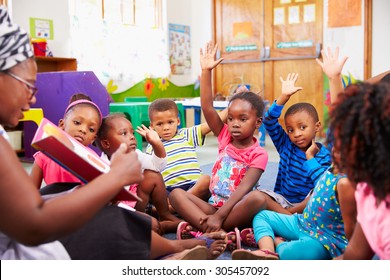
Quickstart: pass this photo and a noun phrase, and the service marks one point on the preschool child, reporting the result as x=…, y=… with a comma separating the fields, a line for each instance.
x=240, y=163
x=82, y=120
x=321, y=232
x=183, y=170
x=302, y=160
x=360, y=121
x=117, y=129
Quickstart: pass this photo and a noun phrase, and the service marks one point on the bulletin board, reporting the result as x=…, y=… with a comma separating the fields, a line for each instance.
x=295, y=28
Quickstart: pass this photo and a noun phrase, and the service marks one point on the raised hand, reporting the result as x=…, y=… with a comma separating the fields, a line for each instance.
x=330, y=64
x=207, y=57
x=288, y=85
x=150, y=135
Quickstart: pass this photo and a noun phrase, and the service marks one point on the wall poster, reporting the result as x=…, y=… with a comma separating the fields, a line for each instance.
x=179, y=49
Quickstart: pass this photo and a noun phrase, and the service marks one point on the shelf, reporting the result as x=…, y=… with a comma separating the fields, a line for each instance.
x=54, y=64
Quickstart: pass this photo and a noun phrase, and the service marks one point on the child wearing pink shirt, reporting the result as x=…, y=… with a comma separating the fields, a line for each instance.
x=361, y=125
x=241, y=161
x=82, y=119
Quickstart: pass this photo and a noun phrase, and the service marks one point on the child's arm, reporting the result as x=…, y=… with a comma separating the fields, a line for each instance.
x=358, y=247
x=346, y=198
x=207, y=63
x=205, y=129
x=298, y=208
x=288, y=88
x=36, y=175
x=378, y=77
x=332, y=67
x=214, y=222
x=154, y=140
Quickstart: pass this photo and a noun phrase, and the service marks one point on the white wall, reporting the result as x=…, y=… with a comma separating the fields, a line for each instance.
x=350, y=41
x=380, y=37
x=198, y=15
x=58, y=11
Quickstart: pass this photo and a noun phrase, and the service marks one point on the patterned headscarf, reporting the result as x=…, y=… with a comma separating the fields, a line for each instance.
x=15, y=44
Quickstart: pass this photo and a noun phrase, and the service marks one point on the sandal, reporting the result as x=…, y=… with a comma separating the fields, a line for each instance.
x=250, y=242
x=236, y=244
x=265, y=254
x=196, y=253
x=182, y=233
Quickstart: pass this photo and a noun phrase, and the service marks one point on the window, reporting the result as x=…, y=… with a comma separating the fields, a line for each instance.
x=146, y=13
x=125, y=46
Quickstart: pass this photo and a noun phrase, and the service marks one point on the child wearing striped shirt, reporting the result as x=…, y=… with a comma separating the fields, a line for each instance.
x=302, y=160
x=182, y=169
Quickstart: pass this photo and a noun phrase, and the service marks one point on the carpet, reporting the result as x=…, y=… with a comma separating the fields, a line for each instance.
x=267, y=181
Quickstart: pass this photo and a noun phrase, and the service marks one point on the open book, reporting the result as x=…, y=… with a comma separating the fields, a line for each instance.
x=79, y=160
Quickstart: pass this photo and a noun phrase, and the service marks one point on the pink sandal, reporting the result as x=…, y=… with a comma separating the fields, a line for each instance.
x=236, y=244
x=251, y=242
x=182, y=233
x=244, y=254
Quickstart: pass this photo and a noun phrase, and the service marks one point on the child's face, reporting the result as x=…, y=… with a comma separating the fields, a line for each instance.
x=121, y=131
x=165, y=123
x=242, y=120
x=82, y=123
x=301, y=129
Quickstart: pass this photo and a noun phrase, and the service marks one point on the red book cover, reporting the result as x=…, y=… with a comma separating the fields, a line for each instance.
x=81, y=161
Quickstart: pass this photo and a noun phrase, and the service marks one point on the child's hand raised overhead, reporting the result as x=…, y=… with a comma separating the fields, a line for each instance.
x=288, y=88
x=288, y=85
x=207, y=57
x=330, y=64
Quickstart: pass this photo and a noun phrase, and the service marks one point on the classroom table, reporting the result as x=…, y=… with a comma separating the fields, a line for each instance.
x=194, y=103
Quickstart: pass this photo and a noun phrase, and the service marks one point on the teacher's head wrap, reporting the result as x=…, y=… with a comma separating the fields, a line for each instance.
x=15, y=44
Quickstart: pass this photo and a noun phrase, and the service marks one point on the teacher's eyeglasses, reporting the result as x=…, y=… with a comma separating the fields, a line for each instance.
x=33, y=89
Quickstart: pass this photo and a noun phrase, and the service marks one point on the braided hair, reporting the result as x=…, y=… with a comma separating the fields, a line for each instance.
x=255, y=100
x=360, y=121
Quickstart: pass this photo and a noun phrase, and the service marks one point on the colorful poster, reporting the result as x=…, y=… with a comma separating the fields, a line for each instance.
x=41, y=28
x=179, y=49
x=242, y=30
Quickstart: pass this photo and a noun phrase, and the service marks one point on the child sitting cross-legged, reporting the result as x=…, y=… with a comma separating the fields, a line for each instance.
x=116, y=129
x=321, y=232
x=241, y=161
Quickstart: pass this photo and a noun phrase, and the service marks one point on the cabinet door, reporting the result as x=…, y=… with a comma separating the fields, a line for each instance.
x=277, y=37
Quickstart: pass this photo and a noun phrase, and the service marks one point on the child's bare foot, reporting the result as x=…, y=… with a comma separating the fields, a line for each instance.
x=216, y=243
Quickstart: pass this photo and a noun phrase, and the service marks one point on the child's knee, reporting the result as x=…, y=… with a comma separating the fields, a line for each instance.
x=176, y=194
x=257, y=199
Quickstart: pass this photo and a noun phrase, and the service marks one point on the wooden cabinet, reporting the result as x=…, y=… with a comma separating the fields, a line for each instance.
x=54, y=64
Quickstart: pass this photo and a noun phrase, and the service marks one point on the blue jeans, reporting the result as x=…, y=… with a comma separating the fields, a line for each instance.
x=298, y=246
